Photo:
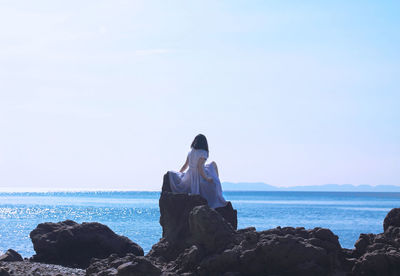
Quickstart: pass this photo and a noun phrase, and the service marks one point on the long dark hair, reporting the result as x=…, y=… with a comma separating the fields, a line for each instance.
x=200, y=142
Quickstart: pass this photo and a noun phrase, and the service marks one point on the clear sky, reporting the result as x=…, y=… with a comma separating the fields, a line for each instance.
x=109, y=94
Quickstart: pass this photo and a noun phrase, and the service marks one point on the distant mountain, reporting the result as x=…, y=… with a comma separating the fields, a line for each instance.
x=259, y=186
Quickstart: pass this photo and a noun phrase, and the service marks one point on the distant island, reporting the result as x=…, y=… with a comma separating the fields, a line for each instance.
x=259, y=186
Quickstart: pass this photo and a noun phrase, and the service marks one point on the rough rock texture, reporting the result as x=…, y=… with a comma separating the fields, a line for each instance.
x=208, y=228
x=229, y=214
x=216, y=249
x=128, y=265
x=167, y=197
x=379, y=254
x=175, y=210
x=26, y=268
x=71, y=244
x=11, y=256
x=198, y=240
x=392, y=219
x=4, y=271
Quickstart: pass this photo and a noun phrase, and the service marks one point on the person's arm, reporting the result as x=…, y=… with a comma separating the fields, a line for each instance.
x=184, y=167
x=200, y=166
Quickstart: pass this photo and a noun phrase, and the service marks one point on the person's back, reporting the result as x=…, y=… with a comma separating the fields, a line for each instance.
x=194, y=160
x=194, y=156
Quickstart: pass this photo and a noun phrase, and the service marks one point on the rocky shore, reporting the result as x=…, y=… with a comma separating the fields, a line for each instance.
x=28, y=268
x=198, y=240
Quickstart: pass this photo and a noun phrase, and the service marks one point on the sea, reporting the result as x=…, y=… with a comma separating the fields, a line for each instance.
x=136, y=214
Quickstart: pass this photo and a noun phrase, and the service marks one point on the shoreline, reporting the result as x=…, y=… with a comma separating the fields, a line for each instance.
x=25, y=267
x=197, y=240
x=26, y=210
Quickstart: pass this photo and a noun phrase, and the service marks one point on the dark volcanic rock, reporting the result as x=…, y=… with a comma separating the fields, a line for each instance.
x=174, y=218
x=227, y=212
x=279, y=251
x=11, y=256
x=198, y=240
x=378, y=254
x=71, y=244
x=126, y=266
x=174, y=214
x=209, y=229
x=4, y=272
x=392, y=219
x=27, y=268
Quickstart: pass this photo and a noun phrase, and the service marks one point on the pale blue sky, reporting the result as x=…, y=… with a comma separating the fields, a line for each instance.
x=109, y=94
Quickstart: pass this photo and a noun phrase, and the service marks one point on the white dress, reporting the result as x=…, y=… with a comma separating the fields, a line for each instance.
x=192, y=182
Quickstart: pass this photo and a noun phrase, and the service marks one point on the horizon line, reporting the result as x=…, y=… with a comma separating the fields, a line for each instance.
x=66, y=190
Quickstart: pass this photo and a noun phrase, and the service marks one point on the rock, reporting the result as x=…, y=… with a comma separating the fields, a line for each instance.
x=174, y=214
x=209, y=229
x=4, y=272
x=27, y=268
x=139, y=266
x=174, y=219
x=392, y=219
x=378, y=254
x=227, y=212
x=71, y=244
x=378, y=263
x=166, y=185
x=279, y=251
x=206, y=244
x=198, y=241
x=10, y=256
x=188, y=260
x=130, y=265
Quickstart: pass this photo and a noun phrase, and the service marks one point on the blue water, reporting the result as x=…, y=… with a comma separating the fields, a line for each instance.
x=136, y=214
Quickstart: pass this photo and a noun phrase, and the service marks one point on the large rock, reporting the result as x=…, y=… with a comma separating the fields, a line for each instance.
x=174, y=214
x=174, y=220
x=4, y=272
x=198, y=240
x=392, y=219
x=28, y=268
x=71, y=244
x=279, y=251
x=187, y=203
x=130, y=265
x=11, y=256
x=378, y=254
x=206, y=244
x=229, y=214
x=209, y=230
x=175, y=210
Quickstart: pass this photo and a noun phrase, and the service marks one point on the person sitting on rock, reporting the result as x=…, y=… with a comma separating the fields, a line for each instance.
x=199, y=178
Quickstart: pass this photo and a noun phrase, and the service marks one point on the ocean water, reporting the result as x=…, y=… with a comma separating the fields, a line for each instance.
x=136, y=214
